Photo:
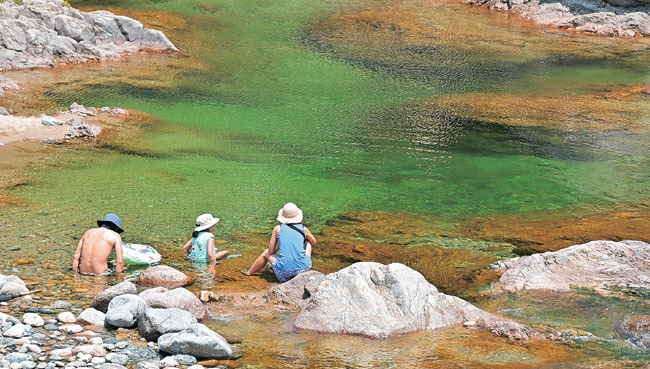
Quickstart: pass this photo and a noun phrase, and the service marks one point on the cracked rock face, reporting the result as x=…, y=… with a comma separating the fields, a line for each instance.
x=41, y=33
x=378, y=301
x=594, y=264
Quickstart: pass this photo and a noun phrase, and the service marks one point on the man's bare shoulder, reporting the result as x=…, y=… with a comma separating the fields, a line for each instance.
x=110, y=236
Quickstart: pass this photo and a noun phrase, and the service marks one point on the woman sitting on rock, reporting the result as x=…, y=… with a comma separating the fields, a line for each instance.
x=289, y=252
x=201, y=247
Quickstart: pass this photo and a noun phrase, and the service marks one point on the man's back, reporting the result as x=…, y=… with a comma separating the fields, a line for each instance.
x=94, y=249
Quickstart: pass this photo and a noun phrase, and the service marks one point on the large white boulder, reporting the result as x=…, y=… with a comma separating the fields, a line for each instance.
x=378, y=301
x=594, y=264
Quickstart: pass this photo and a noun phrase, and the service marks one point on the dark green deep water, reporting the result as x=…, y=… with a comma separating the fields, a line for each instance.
x=272, y=116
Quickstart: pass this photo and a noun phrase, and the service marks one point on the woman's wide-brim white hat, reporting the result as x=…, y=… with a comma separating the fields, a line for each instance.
x=205, y=221
x=290, y=213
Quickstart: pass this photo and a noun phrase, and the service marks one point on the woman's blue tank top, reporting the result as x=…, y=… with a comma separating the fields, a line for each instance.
x=291, y=254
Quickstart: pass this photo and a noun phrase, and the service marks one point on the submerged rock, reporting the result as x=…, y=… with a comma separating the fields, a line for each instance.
x=196, y=340
x=297, y=290
x=593, y=264
x=179, y=298
x=163, y=276
x=636, y=330
x=43, y=33
x=7, y=84
x=378, y=301
x=101, y=301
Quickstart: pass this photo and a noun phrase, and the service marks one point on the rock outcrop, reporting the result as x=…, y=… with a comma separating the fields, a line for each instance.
x=297, y=290
x=607, y=18
x=378, y=301
x=42, y=33
x=594, y=264
x=163, y=276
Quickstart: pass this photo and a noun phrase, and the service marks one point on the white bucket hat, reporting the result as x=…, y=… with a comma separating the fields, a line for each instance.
x=290, y=213
x=205, y=221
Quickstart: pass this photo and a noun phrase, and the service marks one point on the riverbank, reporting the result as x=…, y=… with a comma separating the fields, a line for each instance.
x=612, y=18
x=59, y=34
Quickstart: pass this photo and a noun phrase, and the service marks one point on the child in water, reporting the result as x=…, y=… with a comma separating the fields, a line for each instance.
x=201, y=247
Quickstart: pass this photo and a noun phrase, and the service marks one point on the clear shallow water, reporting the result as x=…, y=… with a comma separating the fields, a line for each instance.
x=269, y=103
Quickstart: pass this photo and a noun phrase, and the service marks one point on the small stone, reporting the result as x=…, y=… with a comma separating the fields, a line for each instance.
x=71, y=328
x=121, y=344
x=34, y=320
x=93, y=350
x=34, y=349
x=120, y=359
x=196, y=367
x=111, y=366
x=61, y=304
x=28, y=364
x=66, y=317
x=16, y=331
x=185, y=359
x=47, y=120
x=96, y=341
x=168, y=361
x=97, y=360
x=65, y=352
x=149, y=364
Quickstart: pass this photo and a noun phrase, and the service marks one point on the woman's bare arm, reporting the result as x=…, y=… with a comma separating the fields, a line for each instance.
x=273, y=242
x=310, y=237
x=211, y=251
x=187, y=246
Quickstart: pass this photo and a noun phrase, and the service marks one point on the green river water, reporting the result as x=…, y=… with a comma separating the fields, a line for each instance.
x=266, y=104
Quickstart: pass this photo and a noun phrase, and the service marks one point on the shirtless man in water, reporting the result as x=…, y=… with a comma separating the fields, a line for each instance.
x=96, y=245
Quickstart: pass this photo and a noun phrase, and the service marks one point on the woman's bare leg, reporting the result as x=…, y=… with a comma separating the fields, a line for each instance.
x=260, y=262
x=221, y=254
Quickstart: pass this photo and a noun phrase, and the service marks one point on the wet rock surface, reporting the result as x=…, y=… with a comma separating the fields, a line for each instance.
x=196, y=340
x=179, y=298
x=43, y=33
x=7, y=84
x=594, y=264
x=297, y=290
x=378, y=301
x=636, y=330
x=125, y=311
x=156, y=322
x=606, y=18
x=101, y=301
x=163, y=276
